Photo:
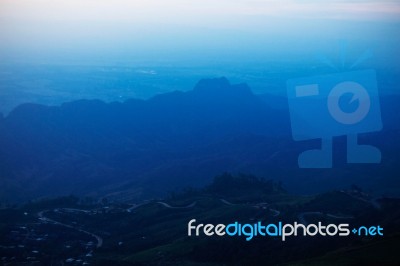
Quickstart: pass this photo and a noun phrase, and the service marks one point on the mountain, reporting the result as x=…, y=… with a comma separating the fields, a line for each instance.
x=146, y=148
x=177, y=138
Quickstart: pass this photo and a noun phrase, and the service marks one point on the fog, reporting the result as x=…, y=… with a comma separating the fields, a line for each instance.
x=192, y=32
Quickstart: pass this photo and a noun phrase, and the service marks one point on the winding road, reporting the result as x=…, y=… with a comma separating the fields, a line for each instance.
x=274, y=212
x=224, y=201
x=303, y=220
x=166, y=205
x=46, y=219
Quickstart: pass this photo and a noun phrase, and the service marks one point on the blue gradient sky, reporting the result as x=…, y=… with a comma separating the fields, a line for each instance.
x=124, y=31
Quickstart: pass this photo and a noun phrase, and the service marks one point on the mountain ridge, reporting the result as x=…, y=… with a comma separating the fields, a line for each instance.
x=149, y=147
x=86, y=145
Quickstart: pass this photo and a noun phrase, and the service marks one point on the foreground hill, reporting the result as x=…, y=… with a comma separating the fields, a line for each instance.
x=72, y=231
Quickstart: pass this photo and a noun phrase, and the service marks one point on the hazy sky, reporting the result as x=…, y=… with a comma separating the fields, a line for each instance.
x=121, y=29
x=206, y=12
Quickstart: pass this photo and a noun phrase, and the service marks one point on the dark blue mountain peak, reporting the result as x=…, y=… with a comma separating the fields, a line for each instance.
x=221, y=86
x=213, y=83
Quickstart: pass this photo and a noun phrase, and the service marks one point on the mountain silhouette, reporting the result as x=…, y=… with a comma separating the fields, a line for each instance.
x=145, y=148
x=89, y=146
